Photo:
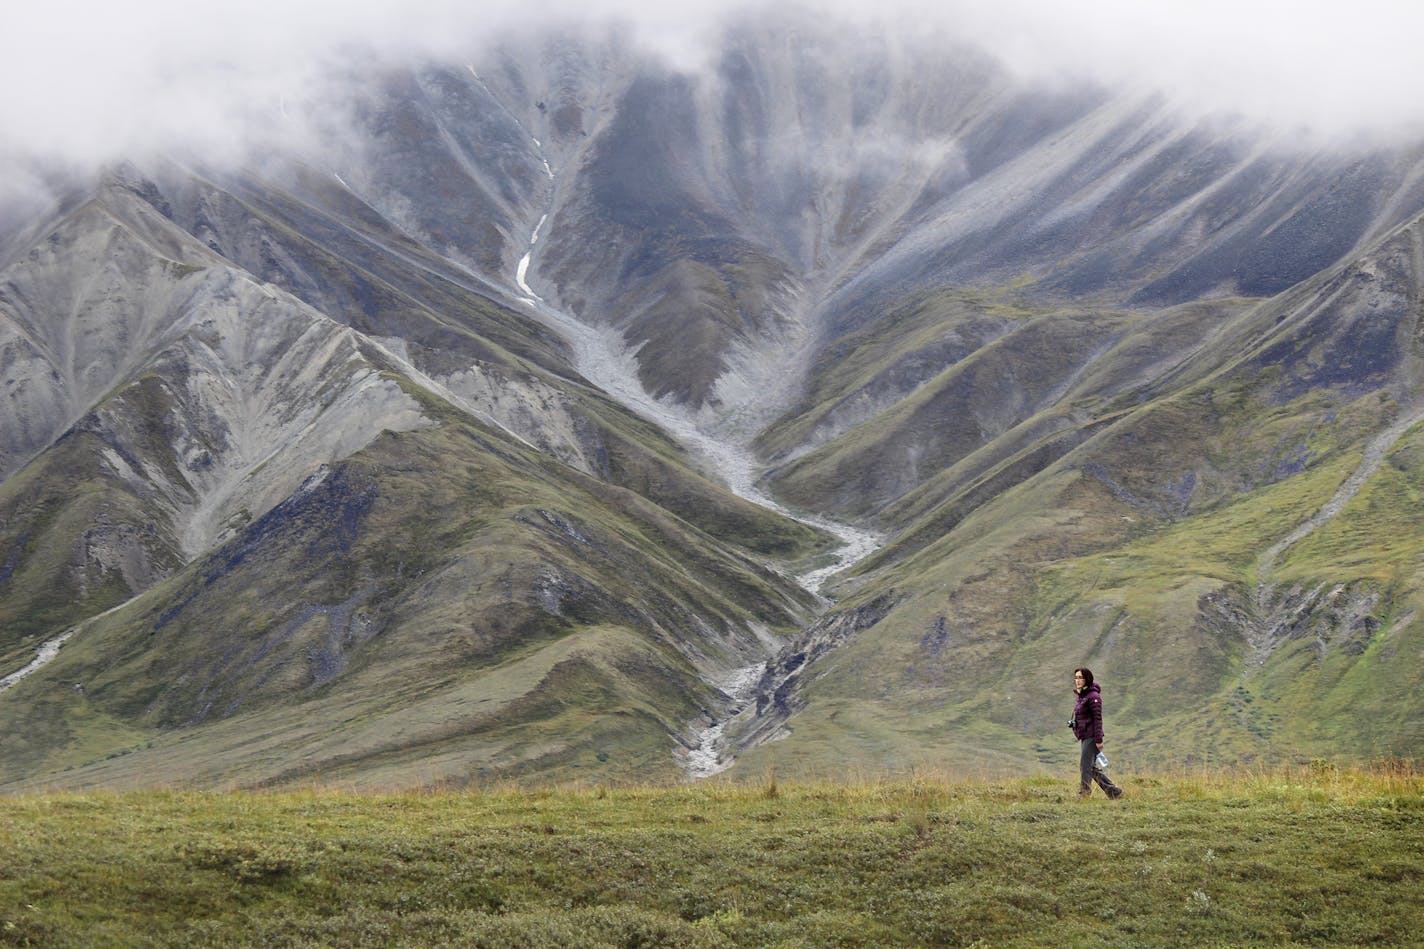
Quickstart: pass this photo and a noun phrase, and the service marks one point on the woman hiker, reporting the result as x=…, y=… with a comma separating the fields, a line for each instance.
x=1087, y=725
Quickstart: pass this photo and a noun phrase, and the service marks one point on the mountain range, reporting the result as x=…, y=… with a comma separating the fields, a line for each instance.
x=573, y=414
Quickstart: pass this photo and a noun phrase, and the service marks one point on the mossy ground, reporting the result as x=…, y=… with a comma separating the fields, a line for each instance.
x=1315, y=855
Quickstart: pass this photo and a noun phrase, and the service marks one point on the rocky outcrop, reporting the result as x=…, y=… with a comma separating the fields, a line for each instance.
x=777, y=694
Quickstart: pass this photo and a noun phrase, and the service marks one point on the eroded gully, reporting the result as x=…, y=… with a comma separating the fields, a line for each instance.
x=603, y=358
x=1273, y=613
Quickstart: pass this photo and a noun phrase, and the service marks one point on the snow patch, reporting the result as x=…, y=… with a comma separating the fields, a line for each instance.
x=522, y=271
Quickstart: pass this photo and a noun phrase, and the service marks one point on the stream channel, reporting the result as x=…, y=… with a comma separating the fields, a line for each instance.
x=602, y=357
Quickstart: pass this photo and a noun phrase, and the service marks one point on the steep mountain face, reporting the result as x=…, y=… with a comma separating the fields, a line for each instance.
x=233, y=479
x=404, y=458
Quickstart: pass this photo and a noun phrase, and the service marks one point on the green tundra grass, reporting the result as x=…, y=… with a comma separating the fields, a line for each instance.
x=1307, y=856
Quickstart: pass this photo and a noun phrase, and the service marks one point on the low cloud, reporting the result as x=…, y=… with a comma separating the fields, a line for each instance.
x=89, y=82
x=1327, y=67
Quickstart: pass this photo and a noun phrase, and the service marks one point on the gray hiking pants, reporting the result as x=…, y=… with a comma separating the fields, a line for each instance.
x=1088, y=772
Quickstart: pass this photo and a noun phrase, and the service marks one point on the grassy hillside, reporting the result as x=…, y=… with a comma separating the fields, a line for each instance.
x=441, y=606
x=960, y=393
x=1311, y=856
x=1222, y=527
x=53, y=516
x=1203, y=654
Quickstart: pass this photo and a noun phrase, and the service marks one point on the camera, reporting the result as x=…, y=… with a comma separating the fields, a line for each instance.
x=1072, y=723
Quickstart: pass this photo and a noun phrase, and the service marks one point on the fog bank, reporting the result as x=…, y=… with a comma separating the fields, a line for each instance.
x=89, y=82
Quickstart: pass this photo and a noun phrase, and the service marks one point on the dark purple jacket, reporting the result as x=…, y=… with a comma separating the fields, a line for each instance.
x=1088, y=714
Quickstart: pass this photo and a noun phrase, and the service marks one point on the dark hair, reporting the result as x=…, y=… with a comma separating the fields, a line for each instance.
x=1087, y=676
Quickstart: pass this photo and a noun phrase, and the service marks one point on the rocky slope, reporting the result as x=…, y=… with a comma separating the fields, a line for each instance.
x=224, y=458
